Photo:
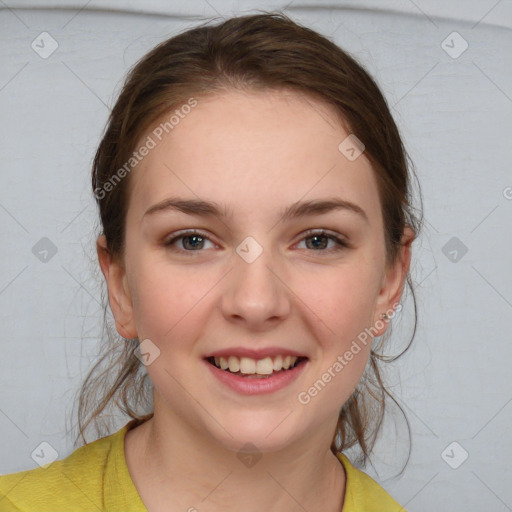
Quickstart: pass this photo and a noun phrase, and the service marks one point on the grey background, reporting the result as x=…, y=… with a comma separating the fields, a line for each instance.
x=456, y=118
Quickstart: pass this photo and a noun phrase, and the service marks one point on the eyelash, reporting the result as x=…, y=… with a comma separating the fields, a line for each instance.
x=341, y=243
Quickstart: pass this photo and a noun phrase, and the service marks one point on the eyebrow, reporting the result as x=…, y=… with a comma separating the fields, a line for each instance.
x=298, y=209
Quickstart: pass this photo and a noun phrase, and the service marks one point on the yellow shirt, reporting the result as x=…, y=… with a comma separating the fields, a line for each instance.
x=95, y=478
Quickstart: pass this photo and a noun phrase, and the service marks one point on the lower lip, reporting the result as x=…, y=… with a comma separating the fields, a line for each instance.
x=257, y=386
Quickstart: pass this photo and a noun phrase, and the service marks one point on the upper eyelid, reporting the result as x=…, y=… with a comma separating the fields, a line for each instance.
x=188, y=232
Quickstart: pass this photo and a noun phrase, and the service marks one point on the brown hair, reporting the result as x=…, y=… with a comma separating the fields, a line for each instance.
x=263, y=52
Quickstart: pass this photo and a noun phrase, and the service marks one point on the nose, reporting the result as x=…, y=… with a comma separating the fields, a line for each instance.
x=256, y=295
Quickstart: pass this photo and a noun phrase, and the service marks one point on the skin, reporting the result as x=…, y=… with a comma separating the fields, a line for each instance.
x=256, y=153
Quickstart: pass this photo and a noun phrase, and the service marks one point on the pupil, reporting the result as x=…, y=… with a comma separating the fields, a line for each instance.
x=196, y=238
x=316, y=237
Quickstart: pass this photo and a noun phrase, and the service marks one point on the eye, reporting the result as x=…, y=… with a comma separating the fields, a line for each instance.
x=320, y=240
x=192, y=241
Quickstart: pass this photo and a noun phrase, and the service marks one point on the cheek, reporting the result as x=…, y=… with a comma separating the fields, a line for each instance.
x=167, y=299
x=343, y=304
x=342, y=299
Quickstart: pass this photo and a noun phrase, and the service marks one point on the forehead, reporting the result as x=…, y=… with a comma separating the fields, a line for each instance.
x=251, y=150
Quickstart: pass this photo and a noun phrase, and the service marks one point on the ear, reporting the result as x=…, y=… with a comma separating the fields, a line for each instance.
x=118, y=291
x=394, y=280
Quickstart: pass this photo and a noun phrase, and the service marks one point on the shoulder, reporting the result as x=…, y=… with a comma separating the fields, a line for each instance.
x=78, y=479
x=364, y=494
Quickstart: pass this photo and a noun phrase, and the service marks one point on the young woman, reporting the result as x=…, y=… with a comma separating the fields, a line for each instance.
x=254, y=196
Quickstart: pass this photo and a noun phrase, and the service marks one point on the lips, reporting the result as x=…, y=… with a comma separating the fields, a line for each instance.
x=254, y=383
x=254, y=353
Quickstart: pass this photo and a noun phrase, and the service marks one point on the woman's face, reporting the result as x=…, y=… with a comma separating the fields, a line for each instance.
x=257, y=176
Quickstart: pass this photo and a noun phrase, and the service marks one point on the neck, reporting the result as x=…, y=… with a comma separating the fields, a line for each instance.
x=173, y=464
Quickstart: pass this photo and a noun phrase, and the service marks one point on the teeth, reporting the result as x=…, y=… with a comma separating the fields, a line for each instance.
x=265, y=366
x=249, y=366
x=234, y=364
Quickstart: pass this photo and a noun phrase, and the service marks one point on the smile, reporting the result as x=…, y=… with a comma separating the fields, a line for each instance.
x=248, y=376
x=255, y=367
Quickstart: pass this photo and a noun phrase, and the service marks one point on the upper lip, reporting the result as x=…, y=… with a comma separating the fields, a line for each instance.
x=253, y=353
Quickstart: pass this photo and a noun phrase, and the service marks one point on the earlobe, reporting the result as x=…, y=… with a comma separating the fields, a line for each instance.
x=118, y=291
